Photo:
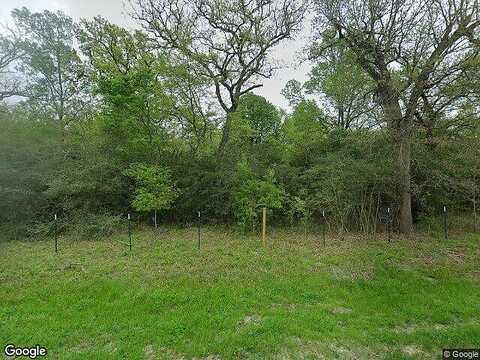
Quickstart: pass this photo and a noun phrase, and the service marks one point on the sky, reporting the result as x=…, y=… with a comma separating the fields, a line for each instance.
x=286, y=54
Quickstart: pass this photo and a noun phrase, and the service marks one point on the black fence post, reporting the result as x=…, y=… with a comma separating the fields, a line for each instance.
x=198, y=228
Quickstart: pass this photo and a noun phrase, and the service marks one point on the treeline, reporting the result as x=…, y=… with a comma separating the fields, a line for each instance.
x=163, y=121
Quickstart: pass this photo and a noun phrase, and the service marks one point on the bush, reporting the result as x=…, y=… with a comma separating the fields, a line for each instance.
x=252, y=194
x=94, y=227
x=42, y=230
x=13, y=231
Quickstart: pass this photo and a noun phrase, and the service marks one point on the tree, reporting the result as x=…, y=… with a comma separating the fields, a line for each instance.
x=141, y=86
x=154, y=191
x=254, y=192
x=225, y=41
x=293, y=92
x=304, y=130
x=262, y=117
x=411, y=50
x=10, y=52
x=256, y=134
x=53, y=70
x=341, y=85
x=338, y=84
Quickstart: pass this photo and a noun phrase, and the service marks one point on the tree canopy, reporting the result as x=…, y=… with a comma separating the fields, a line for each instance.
x=167, y=118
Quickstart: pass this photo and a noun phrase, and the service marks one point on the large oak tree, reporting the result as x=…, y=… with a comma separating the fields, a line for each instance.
x=225, y=41
x=412, y=50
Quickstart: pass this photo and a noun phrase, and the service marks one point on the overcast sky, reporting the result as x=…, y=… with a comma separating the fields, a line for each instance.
x=114, y=10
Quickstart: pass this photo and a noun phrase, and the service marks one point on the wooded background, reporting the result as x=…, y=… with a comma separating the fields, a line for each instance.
x=163, y=120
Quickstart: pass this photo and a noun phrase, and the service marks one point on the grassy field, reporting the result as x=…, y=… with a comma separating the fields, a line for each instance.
x=357, y=298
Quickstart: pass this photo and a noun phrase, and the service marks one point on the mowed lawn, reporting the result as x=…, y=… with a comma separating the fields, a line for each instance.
x=357, y=298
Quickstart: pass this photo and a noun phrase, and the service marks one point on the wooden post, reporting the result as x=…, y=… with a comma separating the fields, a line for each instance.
x=264, y=225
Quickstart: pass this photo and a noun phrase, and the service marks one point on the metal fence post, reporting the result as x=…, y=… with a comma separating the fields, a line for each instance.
x=264, y=225
x=324, y=226
x=129, y=233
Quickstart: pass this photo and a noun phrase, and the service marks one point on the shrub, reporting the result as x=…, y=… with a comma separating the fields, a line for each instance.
x=253, y=193
x=94, y=227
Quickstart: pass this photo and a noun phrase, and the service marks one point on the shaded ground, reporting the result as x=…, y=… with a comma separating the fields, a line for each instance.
x=359, y=298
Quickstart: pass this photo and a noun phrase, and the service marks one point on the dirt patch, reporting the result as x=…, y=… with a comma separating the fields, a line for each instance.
x=111, y=347
x=72, y=266
x=81, y=348
x=149, y=352
x=440, y=327
x=411, y=328
x=405, y=329
x=456, y=256
x=287, y=306
x=342, y=352
x=341, y=310
x=411, y=350
x=474, y=275
x=301, y=349
x=251, y=320
x=163, y=354
x=351, y=274
x=167, y=354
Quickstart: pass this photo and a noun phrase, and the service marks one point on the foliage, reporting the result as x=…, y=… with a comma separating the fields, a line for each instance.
x=89, y=180
x=133, y=112
x=54, y=70
x=253, y=194
x=261, y=116
x=226, y=42
x=431, y=53
x=293, y=92
x=154, y=188
x=28, y=155
x=95, y=226
x=340, y=85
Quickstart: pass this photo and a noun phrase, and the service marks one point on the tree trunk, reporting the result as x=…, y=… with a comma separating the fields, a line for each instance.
x=341, y=116
x=225, y=133
x=401, y=132
x=404, y=162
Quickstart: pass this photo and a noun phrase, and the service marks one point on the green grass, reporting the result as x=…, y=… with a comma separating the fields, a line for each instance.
x=358, y=298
